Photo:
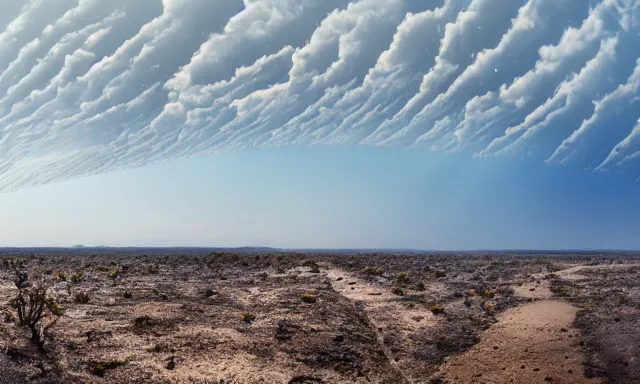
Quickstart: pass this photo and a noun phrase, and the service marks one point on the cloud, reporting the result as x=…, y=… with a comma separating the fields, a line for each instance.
x=89, y=86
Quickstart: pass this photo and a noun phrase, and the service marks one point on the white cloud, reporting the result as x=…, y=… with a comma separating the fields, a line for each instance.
x=87, y=86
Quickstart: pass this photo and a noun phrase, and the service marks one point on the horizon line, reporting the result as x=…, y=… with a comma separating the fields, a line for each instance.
x=314, y=249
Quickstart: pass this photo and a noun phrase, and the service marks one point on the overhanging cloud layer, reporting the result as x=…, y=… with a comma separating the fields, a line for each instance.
x=88, y=86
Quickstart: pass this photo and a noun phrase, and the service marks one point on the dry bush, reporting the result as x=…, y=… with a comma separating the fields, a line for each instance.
x=36, y=310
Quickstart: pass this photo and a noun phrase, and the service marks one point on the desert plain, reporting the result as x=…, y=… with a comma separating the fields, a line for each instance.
x=250, y=316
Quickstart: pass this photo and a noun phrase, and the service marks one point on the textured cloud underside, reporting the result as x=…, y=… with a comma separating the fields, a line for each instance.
x=88, y=86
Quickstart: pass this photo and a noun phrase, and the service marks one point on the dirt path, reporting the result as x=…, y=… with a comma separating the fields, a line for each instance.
x=387, y=315
x=534, y=343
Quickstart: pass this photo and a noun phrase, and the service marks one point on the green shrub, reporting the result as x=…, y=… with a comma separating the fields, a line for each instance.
x=248, y=317
x=373, y=270
x=402, y=276
x=490, y=293
x=114, y=274
x=488, y=307
x=77, y=277
x=398, y=291
x=308, y=298
x=437, y=309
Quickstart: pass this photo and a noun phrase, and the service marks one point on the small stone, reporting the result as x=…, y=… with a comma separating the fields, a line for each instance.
x=171, y=365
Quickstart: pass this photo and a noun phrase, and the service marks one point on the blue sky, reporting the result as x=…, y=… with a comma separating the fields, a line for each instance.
x=447, y=124
x=332, y=197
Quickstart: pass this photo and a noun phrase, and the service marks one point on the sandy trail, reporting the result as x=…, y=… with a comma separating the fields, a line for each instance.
x=378, y=302
x=534, y=343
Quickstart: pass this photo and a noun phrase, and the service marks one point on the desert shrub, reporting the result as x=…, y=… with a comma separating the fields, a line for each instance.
x=420, y=286
x=81, y=297
x=101, y=268
x=77, y=277
x=153, y=269
x=61, y=276
x=471, y=292
x=114, y=274
x=373, y=270
x=402, y=277
x=127, y=295
x=37, y=311
x=490, y=293
x=308, y=298
x=248, y=317
x=397, y=291
x=489, y=307
x=209, y=292
x=437, y=309
x=440, y=273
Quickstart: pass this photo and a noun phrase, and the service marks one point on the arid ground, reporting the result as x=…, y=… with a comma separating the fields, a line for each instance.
x=262, y=316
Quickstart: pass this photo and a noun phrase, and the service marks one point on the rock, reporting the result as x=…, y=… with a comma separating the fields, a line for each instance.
x=171, y=365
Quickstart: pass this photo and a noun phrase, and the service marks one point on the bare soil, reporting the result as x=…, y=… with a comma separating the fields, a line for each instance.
x=262, y=316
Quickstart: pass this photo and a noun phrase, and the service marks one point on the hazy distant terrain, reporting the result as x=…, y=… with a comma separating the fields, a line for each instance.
x=258, y=315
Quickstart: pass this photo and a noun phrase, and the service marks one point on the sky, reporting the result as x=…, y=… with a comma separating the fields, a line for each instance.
x=427, y=124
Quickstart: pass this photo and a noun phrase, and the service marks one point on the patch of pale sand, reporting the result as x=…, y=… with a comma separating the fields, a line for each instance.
x=8, y=290
x=242, y=368
x=540, y=291
x=238, y=366
x=574, y=274
x=534, y=343
x=387, y=315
